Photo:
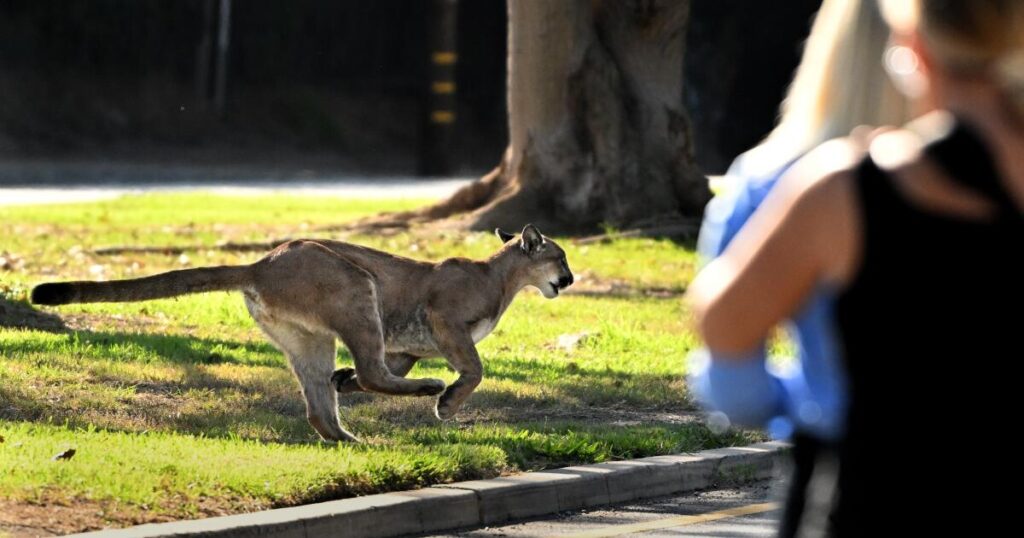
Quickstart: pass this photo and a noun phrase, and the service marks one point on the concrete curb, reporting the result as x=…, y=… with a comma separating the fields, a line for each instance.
x=485, y=502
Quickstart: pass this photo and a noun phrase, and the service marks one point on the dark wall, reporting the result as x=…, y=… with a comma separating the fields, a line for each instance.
x=358, y=45
x=740, y=57
x=337, y=79
x=352, y=44
x=99, y=37
x=480, y=75
x=343, y=82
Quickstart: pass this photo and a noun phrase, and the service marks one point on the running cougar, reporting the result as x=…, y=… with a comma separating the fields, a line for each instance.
x=388, y=310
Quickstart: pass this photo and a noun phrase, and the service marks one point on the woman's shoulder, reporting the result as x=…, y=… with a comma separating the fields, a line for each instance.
x=818, y=197
x=825, y=172
x=917, y=160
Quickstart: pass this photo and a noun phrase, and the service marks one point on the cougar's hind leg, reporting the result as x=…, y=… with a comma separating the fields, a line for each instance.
x=311, y=357
x=345, y=379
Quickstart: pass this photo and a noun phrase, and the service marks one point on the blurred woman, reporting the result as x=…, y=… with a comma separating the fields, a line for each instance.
x=920, y=240
x=840, y=85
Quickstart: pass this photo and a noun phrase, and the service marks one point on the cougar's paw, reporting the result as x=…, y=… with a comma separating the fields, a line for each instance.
x=444, y=408
x=348, y=438
x=340, y=377
x=339, y=437
x=430, y=387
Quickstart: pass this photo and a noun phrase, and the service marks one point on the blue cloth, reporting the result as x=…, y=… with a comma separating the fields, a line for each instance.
x=811, y=398
x=762, y=398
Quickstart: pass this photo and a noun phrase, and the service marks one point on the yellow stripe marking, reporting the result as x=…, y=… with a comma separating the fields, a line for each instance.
x=678, y=521
x=444, y=58
x=442, y=116
x=442, y=87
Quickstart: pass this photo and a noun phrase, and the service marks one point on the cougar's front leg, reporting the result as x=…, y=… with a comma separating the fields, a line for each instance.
x=359, y=326
x=345, y=379
x=456, y=344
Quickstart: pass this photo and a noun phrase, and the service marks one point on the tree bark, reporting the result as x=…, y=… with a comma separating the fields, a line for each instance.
x=597, y=130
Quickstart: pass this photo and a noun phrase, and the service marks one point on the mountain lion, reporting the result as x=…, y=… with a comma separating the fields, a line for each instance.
x=388, y=310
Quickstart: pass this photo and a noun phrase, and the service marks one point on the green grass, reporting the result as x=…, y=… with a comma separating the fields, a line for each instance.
x=180, y=408
x=171, y=471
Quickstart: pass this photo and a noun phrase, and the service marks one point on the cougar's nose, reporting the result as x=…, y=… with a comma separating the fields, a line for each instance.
x=565, y=281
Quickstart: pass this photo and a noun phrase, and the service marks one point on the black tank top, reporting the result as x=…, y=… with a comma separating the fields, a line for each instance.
x=932, y=330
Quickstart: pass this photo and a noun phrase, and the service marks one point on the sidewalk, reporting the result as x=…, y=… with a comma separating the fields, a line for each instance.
x=486, y=502
x=345, y=187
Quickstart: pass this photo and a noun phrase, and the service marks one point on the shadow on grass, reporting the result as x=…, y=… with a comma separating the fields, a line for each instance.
x=172, y=349
x=544, y=445
x=269, y=407
x=230, y=410
x=21, y=315
x=569, y=379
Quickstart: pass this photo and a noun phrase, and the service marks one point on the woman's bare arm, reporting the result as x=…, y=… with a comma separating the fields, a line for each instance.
x=804, y=234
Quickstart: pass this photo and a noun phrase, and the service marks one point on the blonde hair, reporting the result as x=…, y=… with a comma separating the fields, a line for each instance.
x=971, y=36
x=839, y=85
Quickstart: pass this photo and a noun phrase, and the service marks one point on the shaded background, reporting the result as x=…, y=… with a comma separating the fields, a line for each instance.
x=326, y=86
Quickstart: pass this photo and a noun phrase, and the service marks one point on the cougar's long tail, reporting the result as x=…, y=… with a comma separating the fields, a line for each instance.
x=170, y=284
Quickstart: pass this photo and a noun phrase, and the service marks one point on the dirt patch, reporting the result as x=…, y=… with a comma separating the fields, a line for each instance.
x=23, y=520
x=600, y=287
x=29, y=519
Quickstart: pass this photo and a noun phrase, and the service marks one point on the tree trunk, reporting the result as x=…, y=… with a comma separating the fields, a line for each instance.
x=598, y=132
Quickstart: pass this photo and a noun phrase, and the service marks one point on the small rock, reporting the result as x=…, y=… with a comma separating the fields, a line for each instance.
x=569, y=342
x=11, y=262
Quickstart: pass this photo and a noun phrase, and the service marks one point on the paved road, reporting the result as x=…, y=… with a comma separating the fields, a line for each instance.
x=346, y=188
x=746, y=511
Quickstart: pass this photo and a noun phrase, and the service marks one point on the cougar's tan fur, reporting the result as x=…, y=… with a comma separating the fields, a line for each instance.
x=388, y=310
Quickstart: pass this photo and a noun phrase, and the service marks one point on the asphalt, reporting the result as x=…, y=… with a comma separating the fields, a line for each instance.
x=347, y=187
x=744, y=511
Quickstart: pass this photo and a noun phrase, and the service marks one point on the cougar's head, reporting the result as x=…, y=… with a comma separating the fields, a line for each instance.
x=545, y=265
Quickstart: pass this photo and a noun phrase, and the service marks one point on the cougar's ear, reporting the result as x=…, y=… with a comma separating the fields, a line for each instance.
x=503, y=235
x=533, y=241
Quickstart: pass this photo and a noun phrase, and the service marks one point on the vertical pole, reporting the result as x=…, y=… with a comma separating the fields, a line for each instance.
x=439, y=120
x=223, y=39
x=203, y=54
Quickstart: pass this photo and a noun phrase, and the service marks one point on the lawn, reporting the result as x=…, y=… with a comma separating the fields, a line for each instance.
x=179, y=408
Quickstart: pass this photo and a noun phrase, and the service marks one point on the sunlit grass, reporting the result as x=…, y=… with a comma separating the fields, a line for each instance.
x=172, y=472
x=180, y=404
